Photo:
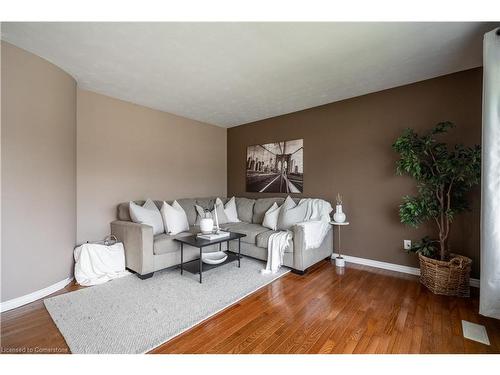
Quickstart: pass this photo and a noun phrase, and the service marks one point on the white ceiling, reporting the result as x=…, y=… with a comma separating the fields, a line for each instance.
x=229, y=74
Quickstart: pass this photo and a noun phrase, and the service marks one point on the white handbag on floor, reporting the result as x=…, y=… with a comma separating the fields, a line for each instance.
x=97, y=263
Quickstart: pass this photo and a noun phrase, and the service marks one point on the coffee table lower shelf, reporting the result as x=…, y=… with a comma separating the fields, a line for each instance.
x=200, y=243
x=193, y=266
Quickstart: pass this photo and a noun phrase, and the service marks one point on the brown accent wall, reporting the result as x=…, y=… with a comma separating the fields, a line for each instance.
x=347, y=149
x=126, y=152
x=38, y=160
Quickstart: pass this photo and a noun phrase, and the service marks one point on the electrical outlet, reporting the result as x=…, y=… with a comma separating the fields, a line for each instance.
x=407, y=244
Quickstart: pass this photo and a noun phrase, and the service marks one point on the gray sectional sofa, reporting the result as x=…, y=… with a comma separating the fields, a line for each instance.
x=146, y=253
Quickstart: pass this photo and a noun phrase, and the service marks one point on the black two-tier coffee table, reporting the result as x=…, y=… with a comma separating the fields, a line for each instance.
x=194, y=266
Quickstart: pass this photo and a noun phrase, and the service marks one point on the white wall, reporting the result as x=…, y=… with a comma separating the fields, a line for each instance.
x=38, y=173
x=128, y=152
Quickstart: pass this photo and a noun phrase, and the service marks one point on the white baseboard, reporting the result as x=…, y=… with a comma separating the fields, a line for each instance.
x=392, y=267
x=28, y=298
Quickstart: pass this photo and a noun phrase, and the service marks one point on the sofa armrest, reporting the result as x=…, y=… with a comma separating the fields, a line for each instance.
x=298, y=247
x=138, y=243
x=304, y=258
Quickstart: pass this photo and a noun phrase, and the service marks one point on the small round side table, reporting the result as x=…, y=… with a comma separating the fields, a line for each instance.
x=339, y=260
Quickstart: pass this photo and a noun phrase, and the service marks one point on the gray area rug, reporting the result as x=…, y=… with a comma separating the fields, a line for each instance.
x=130, y=315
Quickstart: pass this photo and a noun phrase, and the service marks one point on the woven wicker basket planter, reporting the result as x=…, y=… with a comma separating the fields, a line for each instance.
x=449, y=278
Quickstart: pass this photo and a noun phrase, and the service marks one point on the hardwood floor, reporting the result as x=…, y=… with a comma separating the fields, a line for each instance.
x=364, y=310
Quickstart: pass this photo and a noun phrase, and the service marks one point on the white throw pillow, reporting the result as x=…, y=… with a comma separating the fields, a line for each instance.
x=271, y=217
x=147, y=214
x=231, y=212
x=221, y=213
x=174, y=218
x=291, y=214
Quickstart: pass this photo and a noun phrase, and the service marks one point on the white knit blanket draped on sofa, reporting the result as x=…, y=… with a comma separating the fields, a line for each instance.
x=315, y=224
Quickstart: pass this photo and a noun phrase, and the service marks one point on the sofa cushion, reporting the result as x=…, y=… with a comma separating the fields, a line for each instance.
x=261, y=206
x=244, y=206
x=124, y=211
x=263, y=238
x=251, y=230
x=187, y=205
x=164, y=243
x=206, y=203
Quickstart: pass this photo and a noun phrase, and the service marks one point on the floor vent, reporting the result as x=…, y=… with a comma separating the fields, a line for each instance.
x=475, y=332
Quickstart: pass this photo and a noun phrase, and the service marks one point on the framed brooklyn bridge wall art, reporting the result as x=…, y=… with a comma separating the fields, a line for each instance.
x=276, y=167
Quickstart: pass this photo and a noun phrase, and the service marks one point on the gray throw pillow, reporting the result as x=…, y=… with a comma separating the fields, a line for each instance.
x=291, y=214
x=244, y=207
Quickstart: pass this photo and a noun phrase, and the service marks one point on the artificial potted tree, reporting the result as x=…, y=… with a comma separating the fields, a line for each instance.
x=444, y=176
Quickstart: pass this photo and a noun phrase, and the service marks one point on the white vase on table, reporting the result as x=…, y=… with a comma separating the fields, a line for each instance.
x=206, y=225
x=339, y=216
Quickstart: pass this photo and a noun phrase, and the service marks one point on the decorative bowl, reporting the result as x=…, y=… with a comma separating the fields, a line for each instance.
x=214, y=258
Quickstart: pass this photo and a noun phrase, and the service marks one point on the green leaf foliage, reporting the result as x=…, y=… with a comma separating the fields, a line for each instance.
x=444, y=175
x=426, y=246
